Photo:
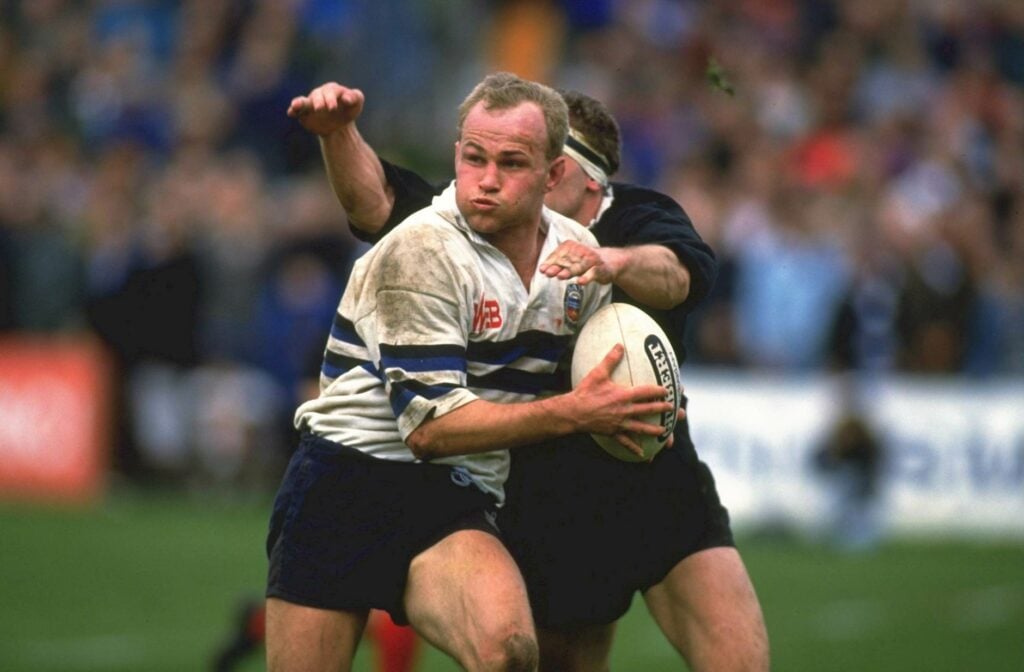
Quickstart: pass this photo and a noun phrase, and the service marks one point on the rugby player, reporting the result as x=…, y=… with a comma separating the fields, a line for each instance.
x=443, y=337
x=589, y=531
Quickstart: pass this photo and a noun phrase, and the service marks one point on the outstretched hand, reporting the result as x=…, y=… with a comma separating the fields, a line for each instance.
x=328, y=108
x=605, y=407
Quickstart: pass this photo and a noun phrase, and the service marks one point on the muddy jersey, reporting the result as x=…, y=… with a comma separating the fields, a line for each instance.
x=435, y=317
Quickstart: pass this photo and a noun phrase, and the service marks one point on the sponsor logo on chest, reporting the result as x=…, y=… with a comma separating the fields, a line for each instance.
x=486, y=315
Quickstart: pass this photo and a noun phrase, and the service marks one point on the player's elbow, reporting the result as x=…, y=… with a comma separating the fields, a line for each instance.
x=425, y=443
x=681, y=289
x=675, y=290
x=368, y=220
x=368, y=214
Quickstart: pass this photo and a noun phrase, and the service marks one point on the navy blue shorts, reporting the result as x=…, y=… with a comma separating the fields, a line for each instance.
x=588, y=531
x=345, y=525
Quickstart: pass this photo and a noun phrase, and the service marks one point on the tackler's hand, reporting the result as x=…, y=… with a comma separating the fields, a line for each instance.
x=590, y=264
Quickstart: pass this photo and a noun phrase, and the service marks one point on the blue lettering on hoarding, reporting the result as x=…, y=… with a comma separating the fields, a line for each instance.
x=736, y=452
x=915, y=461
x=995, y=467
x=973, y=461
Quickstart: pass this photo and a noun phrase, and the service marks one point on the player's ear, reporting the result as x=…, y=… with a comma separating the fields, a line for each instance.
x=593, y=185
x=556, y=171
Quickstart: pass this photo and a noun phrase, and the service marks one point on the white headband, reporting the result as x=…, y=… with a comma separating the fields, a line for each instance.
x=590, y=160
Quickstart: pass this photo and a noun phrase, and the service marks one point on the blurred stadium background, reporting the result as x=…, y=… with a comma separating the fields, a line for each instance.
x=171, y=254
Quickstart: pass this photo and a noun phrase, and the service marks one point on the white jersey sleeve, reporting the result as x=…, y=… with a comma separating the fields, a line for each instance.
x=413, y=314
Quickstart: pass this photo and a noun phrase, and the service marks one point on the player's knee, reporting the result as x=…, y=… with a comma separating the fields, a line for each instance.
x=517, y=652
x=521, y=653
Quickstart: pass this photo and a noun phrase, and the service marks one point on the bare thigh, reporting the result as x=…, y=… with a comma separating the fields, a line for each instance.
x=465, y=596
x=306, y=639
x=708, y=610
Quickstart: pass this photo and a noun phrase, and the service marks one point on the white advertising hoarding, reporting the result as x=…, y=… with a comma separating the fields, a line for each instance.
x=953, y=449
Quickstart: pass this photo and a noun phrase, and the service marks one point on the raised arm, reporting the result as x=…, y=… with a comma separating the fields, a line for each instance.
x=355, y=173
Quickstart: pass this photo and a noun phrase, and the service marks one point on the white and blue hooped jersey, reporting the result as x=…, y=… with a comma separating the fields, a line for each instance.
x=435, y=317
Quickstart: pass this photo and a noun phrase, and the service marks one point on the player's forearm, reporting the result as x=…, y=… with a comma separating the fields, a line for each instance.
x=482, y=426
x=357, y=178
x=653, y=275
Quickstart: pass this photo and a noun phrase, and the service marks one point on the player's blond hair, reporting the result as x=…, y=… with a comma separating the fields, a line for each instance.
x=503, y=90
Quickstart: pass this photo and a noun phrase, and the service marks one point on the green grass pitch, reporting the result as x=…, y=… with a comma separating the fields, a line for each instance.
x=150, y=582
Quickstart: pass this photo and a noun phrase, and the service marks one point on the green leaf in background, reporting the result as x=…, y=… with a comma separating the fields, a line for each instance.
x=717, y=79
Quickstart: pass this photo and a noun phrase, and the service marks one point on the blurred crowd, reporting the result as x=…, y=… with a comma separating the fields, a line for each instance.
x=857, y=166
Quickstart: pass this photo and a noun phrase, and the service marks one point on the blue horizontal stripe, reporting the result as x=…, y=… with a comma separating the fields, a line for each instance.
x=514, y=380
x=421, y=358
x=404, y=392
x=343, y=330
x=336, y=364
x=536, y=344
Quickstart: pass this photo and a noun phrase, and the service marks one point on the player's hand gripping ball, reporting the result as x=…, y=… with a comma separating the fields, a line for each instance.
x=648, y=360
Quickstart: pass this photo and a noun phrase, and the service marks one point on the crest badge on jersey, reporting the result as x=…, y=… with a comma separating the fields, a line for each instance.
x=573, y=302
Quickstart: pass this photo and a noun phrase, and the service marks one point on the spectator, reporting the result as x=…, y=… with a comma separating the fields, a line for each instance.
x=850, y=461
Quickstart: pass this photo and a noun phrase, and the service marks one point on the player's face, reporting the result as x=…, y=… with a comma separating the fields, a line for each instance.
x=501, y=173
x=568, y=197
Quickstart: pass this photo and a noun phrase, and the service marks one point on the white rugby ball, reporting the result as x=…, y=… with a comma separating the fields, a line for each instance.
x=648, y=360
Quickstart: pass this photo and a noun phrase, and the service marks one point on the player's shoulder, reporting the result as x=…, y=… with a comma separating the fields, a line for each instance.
x=424, y=252
x=635, y=196
x=423, y=229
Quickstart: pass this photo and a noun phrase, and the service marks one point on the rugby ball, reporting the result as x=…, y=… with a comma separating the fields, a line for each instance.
x=648, y=360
